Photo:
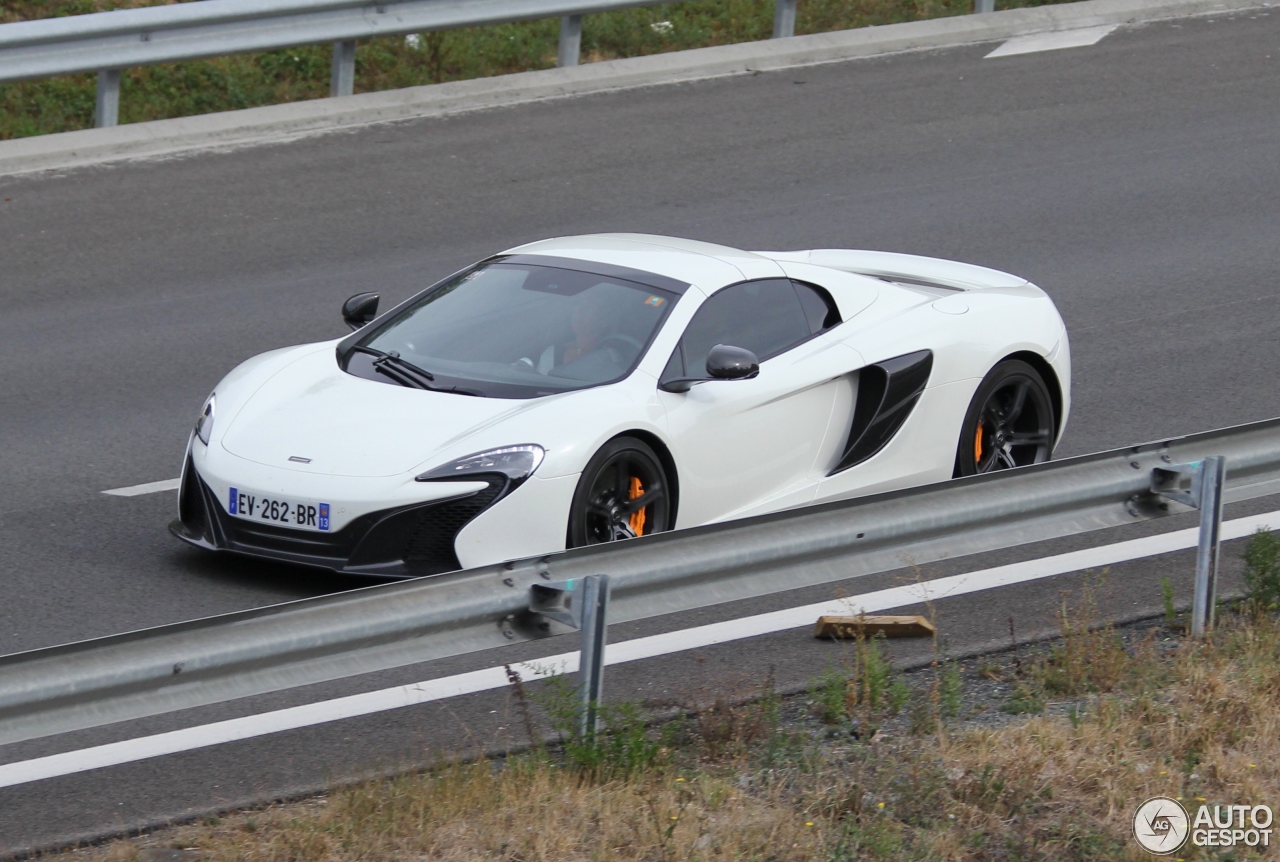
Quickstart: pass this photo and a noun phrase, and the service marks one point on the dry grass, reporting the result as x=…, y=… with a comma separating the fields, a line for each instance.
x=528, y=811
x=1199, y=721
x=1064, y=788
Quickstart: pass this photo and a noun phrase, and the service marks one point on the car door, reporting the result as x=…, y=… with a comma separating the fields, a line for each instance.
x=748, y=446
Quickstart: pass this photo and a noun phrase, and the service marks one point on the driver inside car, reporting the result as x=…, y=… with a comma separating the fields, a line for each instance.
x=591, y=321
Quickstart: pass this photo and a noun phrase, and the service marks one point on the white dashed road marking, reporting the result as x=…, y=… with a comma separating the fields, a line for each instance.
x=1053, y=41
x=148, y=488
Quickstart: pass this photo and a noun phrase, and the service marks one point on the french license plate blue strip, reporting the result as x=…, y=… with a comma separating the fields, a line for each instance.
x=286, y=513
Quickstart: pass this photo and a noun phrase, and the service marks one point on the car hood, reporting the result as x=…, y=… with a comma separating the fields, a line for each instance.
x=348, y=426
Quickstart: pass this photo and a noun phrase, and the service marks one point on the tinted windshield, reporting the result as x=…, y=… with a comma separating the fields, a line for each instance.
x=520, y=330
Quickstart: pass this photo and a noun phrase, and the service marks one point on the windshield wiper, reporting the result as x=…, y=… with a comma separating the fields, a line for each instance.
x=404, y=372
x=391, y=357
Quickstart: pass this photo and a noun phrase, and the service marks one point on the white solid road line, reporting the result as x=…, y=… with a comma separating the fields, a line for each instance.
x=1053, y=41
x=141, y=748
x=148, y=488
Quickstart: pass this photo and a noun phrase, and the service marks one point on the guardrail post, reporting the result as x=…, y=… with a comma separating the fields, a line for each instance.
x=980, y=6
x=342, y=77
x=784, y=18
x=1207, y=479
x=106, y=107
x=582, y=604
x=595, y=606
x=1212, y=473
x=570, y=40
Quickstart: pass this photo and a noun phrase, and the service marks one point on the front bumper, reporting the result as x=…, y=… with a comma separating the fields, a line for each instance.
x=402, y=542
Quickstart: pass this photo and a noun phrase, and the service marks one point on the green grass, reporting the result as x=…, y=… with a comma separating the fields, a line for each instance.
x=245, y=81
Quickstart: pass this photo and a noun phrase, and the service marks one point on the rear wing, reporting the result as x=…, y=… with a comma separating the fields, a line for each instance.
x=905, y=268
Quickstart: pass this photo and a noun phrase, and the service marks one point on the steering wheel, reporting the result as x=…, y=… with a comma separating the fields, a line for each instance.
x=624, y=340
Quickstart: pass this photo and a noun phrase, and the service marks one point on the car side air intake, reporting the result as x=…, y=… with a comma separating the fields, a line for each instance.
x=887, y=393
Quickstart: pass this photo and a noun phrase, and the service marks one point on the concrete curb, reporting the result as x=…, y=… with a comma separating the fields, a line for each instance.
x=277, y=123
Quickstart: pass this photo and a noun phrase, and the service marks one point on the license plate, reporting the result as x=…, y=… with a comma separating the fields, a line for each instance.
x=299, y=514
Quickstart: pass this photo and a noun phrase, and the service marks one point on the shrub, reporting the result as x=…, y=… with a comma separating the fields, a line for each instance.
x=1262, y=570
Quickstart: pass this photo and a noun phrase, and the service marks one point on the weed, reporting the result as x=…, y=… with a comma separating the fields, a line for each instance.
x=898, y=695
x=1013, y=646
x=1024, y=700
x=927, y=708
x=1089, y=658
x=990, y=786
x=729, y=726
x=872, y=837
x=522, y=705
x=875, y=674
x=1262, y=571
x=989, y=669
x=950, y=690
x=1166, y=594
x=861, y=698
x=623, y=746
x=830, y=696
x=665, y=823
x=922, y=716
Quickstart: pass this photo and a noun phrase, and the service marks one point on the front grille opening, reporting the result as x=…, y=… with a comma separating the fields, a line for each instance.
x=191, y=509
x=409, y=542
x=431, y=542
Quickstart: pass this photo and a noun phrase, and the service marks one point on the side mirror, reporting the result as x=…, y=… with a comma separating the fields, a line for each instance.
x=725, y=362
x=360, y=309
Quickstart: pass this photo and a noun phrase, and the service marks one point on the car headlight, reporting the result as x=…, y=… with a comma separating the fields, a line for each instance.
x=204, y=422
x=517, y=463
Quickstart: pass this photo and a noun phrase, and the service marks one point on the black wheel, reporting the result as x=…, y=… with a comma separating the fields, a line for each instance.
x=1009, y=423
x=623, y=493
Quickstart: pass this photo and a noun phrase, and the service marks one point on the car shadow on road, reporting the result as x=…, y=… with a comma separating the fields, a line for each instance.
x=273, y=581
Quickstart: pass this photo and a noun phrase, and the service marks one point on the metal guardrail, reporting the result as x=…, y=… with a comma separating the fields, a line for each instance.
x=107, y=42
x=190, y=664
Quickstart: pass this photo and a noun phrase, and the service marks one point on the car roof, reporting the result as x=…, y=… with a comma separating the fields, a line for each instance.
x=705, y=265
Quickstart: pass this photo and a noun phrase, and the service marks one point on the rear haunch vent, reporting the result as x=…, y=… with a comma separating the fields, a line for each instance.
x=887, y=393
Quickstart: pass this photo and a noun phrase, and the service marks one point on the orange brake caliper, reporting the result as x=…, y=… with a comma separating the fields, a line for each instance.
x=977, y=445
x=637, y=517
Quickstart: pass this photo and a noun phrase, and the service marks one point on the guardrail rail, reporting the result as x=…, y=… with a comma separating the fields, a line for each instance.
x=109, y=42
x=127, y=676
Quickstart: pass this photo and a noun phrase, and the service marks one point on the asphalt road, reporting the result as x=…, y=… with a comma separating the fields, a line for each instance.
x=1135, y=180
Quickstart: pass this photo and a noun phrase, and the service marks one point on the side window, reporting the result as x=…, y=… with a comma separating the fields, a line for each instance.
x=819, y=307
x=765, y=317
x=675, y=365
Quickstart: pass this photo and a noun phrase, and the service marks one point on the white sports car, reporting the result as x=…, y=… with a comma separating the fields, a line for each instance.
x=595, y=388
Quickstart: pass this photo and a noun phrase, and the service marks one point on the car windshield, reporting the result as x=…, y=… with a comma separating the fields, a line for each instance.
x=517, y=330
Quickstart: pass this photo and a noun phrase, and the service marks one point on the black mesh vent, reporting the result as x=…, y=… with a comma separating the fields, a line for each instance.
x=432, y=539
x=191, y=508
x=270, y=537
x=411, y=541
